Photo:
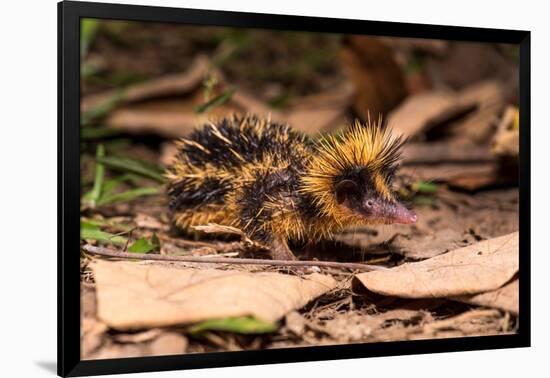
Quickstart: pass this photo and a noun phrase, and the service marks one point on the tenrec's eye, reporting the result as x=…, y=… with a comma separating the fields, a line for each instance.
x=344, y=190
x=369, y=203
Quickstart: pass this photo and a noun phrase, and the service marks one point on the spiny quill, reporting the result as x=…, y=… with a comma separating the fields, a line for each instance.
x=277, y=185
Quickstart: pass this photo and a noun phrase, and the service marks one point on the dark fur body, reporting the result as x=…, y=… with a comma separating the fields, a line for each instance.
x=274, y=183
x=249, y=167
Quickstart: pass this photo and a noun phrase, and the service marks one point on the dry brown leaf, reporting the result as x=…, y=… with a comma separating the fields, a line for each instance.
x=449, y=172
x=166, y=105
x=170, y=85
x=444, y=152
x=478, y=127
x=505, y=298
x=458, y=175
x=379, y=82
x=465, y=176
x=477, y=268
x=143, y=119
x=322, y=111
x=426, y=110
x=313, y=121
x=132, y=295
x=249, y=103
x=169, y=117
x=473, y=182
x=427, y=246
x=414, y=245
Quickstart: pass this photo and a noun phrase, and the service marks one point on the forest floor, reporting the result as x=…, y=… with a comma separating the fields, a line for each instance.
x=452, y=274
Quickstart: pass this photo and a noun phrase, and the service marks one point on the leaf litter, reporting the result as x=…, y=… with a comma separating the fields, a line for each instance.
x=452, y=126
x=157, y=296
x=477, y=268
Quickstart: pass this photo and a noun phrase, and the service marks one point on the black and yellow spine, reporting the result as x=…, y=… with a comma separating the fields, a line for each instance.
x=272, y=182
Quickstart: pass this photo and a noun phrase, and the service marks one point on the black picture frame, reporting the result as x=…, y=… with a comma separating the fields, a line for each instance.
x=69, y=15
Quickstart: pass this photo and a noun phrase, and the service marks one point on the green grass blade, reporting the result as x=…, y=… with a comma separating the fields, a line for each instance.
x=134, y=166
x=216, y=101
x=91, y=232
x=98, y=223
x=144, y=246
x=93, y=196
x=91, y=133
x=101, y=110
x=128, y=195
x=89, y=225
x=241, y=324
x=109, y=186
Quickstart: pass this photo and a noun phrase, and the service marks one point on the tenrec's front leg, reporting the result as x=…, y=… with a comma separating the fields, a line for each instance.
x=279, y=251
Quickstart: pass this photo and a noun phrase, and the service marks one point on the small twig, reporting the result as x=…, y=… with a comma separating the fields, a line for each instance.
x=102, y=251
x=127, y=240
x=217, y=246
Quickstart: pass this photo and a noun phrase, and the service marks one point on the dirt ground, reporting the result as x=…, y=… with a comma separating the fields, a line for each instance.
x=455, y=101
x=349, y=313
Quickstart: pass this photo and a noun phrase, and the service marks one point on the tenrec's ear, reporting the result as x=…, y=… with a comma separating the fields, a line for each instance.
x=345, y=189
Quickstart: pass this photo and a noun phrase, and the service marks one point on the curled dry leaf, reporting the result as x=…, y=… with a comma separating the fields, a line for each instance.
x=477, y=268
x=133, y=296
x=505, y=298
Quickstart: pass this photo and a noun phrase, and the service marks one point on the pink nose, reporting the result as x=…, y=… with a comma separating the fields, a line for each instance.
x=403, y=215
